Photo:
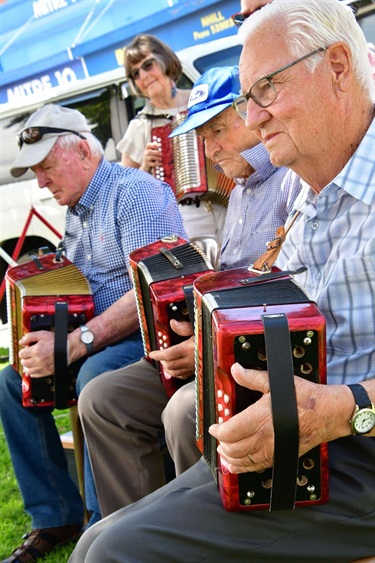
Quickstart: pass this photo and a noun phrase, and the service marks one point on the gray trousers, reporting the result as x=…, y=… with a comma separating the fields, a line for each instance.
x=121, y=413
x=185, y=522
x=179, y=426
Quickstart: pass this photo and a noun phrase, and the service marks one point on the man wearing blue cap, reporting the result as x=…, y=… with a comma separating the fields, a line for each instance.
x=122, y=412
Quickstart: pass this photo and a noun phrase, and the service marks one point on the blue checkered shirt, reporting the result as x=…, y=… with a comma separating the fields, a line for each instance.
x=257, y=207
x=335, y=238
x=122, y=209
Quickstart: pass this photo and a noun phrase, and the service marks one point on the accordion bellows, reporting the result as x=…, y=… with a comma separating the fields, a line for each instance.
x=33, y=289
x=229, y=329
x=186, y=168
x=163, y=275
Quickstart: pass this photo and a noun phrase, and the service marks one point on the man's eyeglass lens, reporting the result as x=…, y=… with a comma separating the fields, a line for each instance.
x=146, y=67
x=34, y=134
x=263, y=91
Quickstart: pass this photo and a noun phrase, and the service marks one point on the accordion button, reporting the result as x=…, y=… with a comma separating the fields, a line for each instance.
x=219, y=393
x=226, y=398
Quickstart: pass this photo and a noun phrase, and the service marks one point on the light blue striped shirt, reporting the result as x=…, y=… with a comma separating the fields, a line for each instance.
x=122, y=209
x=335, y=238
x=256, y=209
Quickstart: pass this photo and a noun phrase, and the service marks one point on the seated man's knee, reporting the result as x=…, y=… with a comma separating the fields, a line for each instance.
x=92, y=401
x=180, y=410
x=10, y=384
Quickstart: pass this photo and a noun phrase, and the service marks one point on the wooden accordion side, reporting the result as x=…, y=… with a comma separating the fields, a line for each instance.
x=33, y=289
x=163, y=273
x=229, y=329
x=186, y=168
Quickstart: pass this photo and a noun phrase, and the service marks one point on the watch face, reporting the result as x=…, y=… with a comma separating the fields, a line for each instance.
x=364, y=421
x=87, y=337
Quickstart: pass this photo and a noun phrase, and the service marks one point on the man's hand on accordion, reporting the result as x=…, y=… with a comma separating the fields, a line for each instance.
x=246, y=441
x=37, y=353
x=178, y=360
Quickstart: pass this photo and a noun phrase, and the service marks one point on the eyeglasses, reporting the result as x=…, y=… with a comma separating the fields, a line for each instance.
x=34, y=134
x=263, y=91
x=239, y=18
x=146, y=66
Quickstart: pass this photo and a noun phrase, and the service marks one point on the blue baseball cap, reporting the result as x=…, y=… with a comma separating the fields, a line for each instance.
x=212, y=93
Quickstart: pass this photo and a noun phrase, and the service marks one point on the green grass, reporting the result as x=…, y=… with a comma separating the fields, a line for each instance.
x=14, y=522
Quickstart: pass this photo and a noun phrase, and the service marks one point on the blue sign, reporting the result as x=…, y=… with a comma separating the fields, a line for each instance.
x=57, y=42
x=36, y=85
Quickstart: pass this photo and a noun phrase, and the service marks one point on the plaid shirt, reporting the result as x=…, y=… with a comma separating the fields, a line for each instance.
x=335, y=238
x=257, y=207
x=122, y=209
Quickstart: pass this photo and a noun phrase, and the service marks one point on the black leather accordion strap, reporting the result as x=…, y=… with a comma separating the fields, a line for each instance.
x=189, y=297
x=61, y=357
x=284, y=411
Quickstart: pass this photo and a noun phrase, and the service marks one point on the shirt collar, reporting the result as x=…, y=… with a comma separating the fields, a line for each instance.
x=358, y=175
x=356, y=178
x=86, y=203
x=259, y=160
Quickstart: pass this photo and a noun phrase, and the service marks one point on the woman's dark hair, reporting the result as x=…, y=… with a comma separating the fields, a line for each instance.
x=143, y=45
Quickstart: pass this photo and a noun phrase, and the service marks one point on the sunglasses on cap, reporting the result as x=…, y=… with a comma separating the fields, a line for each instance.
x=239, y=18
x=146, y=66
x=34, y=134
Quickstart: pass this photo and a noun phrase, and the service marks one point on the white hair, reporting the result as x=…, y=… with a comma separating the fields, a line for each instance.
x=310, y=24
x=68, y=141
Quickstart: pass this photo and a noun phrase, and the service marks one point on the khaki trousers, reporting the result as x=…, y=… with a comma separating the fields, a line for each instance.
x=121, y=413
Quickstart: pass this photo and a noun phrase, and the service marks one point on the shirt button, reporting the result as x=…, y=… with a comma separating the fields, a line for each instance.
x=235, y=251
x=248, y=191
x=88, y=257
x=315, y=225
x=85, y=223
x=240, y=221
x=318, y=276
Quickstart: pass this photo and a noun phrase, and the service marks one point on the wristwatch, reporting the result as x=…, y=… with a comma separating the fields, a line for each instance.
x=87, y=337
x=363, y=419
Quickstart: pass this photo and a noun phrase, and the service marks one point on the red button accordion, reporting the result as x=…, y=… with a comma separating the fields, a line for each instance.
x=163, y=274
x=33, y=290
x=231, y=307
x=185, y=167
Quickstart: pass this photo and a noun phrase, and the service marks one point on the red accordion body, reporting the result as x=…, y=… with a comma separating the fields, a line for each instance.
x=229, y=329
x=163, y=274
x=185, y=167
x=33, y=289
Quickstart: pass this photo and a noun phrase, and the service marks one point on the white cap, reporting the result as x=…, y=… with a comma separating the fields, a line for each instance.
x=50, y=115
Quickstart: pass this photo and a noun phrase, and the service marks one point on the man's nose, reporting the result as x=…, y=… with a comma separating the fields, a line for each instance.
x=41, y=178
x=255, y=115
x=211, y=147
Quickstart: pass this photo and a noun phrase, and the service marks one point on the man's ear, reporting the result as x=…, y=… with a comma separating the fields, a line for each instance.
x=83, y=150
x=341, y=66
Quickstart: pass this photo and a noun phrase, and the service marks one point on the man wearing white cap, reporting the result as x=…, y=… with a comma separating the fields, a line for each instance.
x=122, y=412
x=112, y=210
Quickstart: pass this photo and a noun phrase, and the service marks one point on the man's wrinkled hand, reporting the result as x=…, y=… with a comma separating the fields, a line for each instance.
x=178, y=360
x=37, y=353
